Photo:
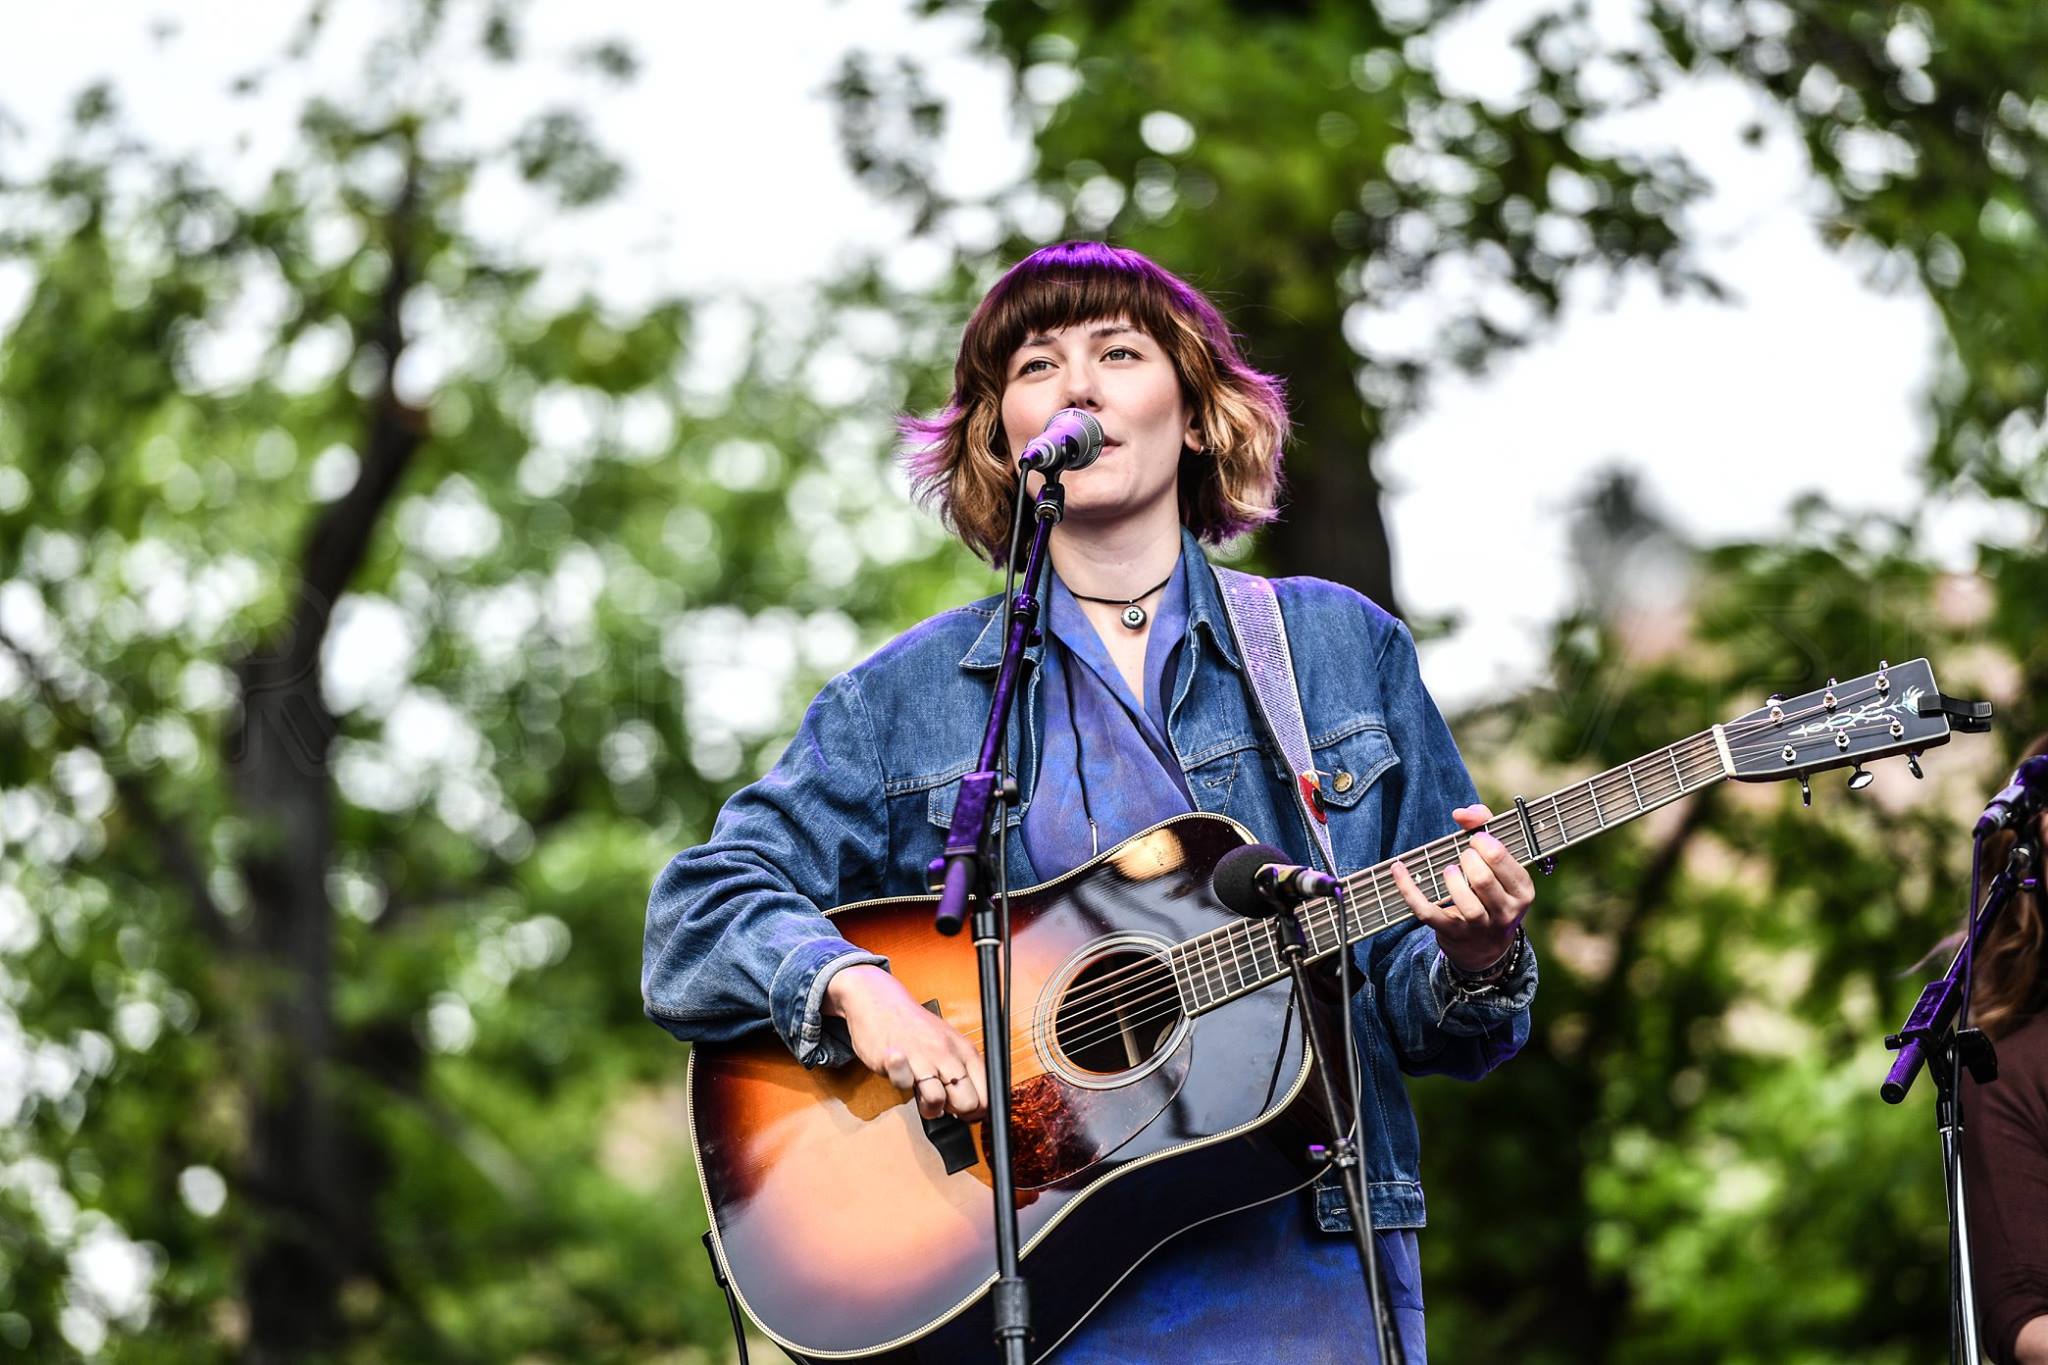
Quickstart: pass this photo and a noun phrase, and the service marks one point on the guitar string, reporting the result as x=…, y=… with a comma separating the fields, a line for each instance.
x=1429, y=853
x=1110, y=1001
x=1163, y=988
x=1701, y=760
x=1155, y=979
x=1158, y=979
x=1159, y=982
x=1263, y=947
x=1211, y=941
x=1139, y=1007
x=1569, y=812
x=1107, y=997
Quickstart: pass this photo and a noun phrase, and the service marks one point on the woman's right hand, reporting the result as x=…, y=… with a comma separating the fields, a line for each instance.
x=894, y=1036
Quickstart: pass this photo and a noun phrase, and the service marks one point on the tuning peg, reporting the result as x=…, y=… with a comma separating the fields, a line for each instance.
x=1913, y=765
x=1805, y=791
x=1861, y=778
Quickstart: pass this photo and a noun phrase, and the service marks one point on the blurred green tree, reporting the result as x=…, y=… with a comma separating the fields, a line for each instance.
x=372, y=626
x=1699, y=1103
x=1927, y=128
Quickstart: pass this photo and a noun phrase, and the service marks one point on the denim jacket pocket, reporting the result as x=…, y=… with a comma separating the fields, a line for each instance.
x=1350, y=757
x=945, y=794
x=1350, y=763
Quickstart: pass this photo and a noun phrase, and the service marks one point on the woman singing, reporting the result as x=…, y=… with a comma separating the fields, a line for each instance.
x=1137, y=710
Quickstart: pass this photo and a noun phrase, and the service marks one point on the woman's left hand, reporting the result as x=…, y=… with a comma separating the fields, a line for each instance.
x=1490, y=892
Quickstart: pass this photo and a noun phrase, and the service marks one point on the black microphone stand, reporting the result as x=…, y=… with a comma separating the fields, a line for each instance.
x=1343, y=1149
x=962, y=870
x=1929, y=1037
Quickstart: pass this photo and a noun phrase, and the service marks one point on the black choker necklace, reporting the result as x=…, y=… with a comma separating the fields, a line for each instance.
x=1134, y=617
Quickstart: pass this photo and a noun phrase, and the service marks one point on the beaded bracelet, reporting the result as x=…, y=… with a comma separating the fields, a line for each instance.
x=1503, y=967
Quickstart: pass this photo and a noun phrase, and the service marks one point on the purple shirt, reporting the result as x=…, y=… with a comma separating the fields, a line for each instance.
x=1124, y=773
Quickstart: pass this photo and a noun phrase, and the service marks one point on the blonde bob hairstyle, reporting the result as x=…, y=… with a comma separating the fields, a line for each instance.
x=960, y=461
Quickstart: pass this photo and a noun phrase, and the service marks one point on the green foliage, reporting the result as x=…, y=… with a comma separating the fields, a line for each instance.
x=1698, y=1105
x=1306, y=165
x=568, y=579
x=1928, y=126
x=350, y=967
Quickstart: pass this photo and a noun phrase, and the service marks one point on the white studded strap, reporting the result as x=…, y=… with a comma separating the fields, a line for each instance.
x=1254, y=613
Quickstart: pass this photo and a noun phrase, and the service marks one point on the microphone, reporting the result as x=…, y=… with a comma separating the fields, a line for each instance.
x=1071, y=440
x=1254, y=879
x=2029, y=785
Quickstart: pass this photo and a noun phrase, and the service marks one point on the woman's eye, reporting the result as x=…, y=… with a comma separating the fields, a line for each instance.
x=1036, y=360
x=1120, y=350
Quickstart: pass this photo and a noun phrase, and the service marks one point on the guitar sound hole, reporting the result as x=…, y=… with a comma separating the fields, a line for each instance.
x=1117, y=1013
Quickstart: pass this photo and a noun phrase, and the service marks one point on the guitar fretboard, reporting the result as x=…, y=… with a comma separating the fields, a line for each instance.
x=1215, y=968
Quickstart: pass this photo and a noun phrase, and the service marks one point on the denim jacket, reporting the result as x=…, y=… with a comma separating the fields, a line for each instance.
x=858, y=806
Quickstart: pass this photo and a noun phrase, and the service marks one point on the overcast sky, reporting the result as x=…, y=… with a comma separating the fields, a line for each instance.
x=1809, y=380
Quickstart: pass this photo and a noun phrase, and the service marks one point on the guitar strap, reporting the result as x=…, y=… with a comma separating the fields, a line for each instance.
x=1254, y=613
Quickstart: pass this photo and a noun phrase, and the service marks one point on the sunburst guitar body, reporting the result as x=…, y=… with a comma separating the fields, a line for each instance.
x=853, y=1229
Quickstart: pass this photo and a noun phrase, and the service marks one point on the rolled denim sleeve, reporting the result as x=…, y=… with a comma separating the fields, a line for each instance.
x=1434, y=1027
x=736, y=937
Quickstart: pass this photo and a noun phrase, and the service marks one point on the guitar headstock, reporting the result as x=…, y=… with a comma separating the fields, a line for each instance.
x=1897, y=709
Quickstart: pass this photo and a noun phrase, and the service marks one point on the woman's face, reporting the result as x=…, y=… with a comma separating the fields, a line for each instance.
x=1125, y=380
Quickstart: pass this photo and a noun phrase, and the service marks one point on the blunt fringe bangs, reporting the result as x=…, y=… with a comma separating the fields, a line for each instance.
x=959, y=459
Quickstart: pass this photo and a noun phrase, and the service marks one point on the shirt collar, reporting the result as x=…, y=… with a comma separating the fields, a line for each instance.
x=1205, y=604
x=1205, y=611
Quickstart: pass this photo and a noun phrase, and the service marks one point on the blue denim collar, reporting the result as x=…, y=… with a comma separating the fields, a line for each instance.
x=1205, y=612
x=986, y=653
x=1205, y=604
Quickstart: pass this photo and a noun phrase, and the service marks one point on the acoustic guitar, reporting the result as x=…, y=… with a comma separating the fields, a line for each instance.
x=1160, y=1075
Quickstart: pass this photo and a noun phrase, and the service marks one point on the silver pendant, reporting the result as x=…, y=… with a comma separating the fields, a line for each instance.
x=1134, y=617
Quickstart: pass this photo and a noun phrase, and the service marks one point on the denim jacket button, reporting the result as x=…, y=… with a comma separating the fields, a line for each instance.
x=1342, y=782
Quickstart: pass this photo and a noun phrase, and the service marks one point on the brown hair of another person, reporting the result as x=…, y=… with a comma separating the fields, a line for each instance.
x=2011, y=983
x=960, y=458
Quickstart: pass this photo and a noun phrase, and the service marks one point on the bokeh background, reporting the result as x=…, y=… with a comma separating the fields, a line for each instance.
x=444, y=444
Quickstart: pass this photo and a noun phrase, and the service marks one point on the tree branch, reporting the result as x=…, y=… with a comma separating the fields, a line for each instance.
x=340, y=538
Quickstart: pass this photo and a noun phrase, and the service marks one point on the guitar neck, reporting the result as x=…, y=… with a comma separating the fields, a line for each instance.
x=1215, y=968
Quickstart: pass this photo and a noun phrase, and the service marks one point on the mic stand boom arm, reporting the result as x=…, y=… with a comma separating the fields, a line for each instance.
x=961, y=872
